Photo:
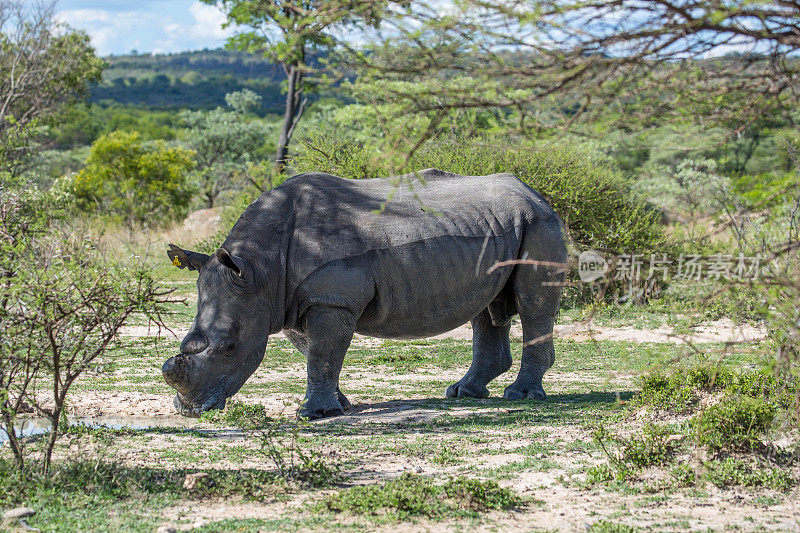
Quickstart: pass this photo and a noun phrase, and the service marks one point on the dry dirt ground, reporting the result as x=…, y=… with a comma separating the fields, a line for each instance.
x=400, y=422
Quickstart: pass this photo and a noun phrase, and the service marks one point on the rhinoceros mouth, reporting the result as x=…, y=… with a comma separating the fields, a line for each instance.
x=195, y=409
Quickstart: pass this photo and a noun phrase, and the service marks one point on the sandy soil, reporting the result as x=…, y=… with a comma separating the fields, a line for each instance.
x=723, y=330
x=558, y=501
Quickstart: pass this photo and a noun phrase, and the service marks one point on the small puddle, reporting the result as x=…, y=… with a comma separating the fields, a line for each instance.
x=30, y=427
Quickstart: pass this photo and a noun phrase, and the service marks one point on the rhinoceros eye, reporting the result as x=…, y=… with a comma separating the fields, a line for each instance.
x=226, y=347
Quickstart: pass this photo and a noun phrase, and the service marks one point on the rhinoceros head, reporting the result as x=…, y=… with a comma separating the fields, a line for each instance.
x=228, y=337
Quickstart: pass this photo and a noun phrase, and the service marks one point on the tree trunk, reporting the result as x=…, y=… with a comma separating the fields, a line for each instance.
x=16, y=446
x=51, y=440
x=295, y=105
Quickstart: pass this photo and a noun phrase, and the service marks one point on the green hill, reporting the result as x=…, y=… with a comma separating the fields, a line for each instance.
x=195, y=80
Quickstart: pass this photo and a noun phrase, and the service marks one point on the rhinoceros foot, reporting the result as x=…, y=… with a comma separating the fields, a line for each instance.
x=314, y=408
x=520, y=392
x=465, y=389
x=343, y=401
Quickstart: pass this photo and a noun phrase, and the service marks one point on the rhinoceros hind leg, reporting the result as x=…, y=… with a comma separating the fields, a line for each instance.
x=329, y=331
x=537, y=290
x=537, y=358
x=491, y=356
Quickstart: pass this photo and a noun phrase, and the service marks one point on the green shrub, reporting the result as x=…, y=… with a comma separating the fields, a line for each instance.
x=629, y=454
x=133, y=181
x=680, y=390
x=602, y=473
x=692, y=188
x=684, y=475
x=410, y=495
x=89, y=482
x=590, y=195
x=280, y=443
x=732, y=471
x=735, y=423
x=241, y=415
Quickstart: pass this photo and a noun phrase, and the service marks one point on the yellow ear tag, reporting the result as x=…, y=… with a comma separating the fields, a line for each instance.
x=176, y=262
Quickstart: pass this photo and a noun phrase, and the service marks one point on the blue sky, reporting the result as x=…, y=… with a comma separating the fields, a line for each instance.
x=153, y=26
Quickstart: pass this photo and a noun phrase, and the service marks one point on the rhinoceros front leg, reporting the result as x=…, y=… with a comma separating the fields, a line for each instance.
x=329, y=331
x=491, y=356
x=300, y=341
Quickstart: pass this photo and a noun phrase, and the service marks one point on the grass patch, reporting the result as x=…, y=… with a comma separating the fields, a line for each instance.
x=735, y=423
x=607, y=526
x=280, y=441
x=411, y=496
x=630, y=453
x=98, y=495
x=731, y=471
x=681, y=390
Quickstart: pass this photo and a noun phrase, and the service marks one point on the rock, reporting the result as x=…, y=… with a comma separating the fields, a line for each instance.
x=166, y=529
x=19, y=513
x=675, y=439
x=193, y=481
x=203, y=223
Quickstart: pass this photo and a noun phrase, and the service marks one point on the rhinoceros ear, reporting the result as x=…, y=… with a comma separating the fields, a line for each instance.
x=239, y=266
x=186, y=258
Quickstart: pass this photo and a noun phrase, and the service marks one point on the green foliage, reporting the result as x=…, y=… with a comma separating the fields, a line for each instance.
x=81, y=125
x=748, y=402
x=92, y=482
x=684, y=475
x=225, y=142
x=13, y=149
x=692, y=188
x=302, y=27
x=133, y=181
x=188, y=80
x=607, y=526
x=241, y=415
x=43, y=64
x=599, y=474
x=291, y=33
x=280, y=442
x=593, y=199
x=764, y=189
x=730, y=471
x=680, y=390
x=197, y=90
x=410, y=496
x=630, y=453
x=735, y=423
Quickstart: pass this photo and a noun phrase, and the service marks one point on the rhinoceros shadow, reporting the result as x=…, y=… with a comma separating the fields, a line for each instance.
x=439, y=414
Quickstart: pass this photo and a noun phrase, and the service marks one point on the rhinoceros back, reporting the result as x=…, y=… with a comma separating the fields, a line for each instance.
x=449, y=227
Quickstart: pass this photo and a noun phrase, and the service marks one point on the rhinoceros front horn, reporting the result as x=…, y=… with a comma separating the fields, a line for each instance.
x=176, y=372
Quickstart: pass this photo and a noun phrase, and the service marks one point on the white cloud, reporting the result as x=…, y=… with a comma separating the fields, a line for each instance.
x=80, y=17
x=151, y=26
x=208, y=21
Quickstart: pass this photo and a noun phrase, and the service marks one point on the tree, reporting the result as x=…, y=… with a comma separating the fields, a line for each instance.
x=295, y=34
x=135, y=181
x=43, y=64
x=61, y=305
x=224, y=142
x=556, y=61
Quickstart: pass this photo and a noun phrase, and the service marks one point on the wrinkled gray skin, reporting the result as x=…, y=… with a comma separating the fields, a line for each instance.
x=318, y=259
